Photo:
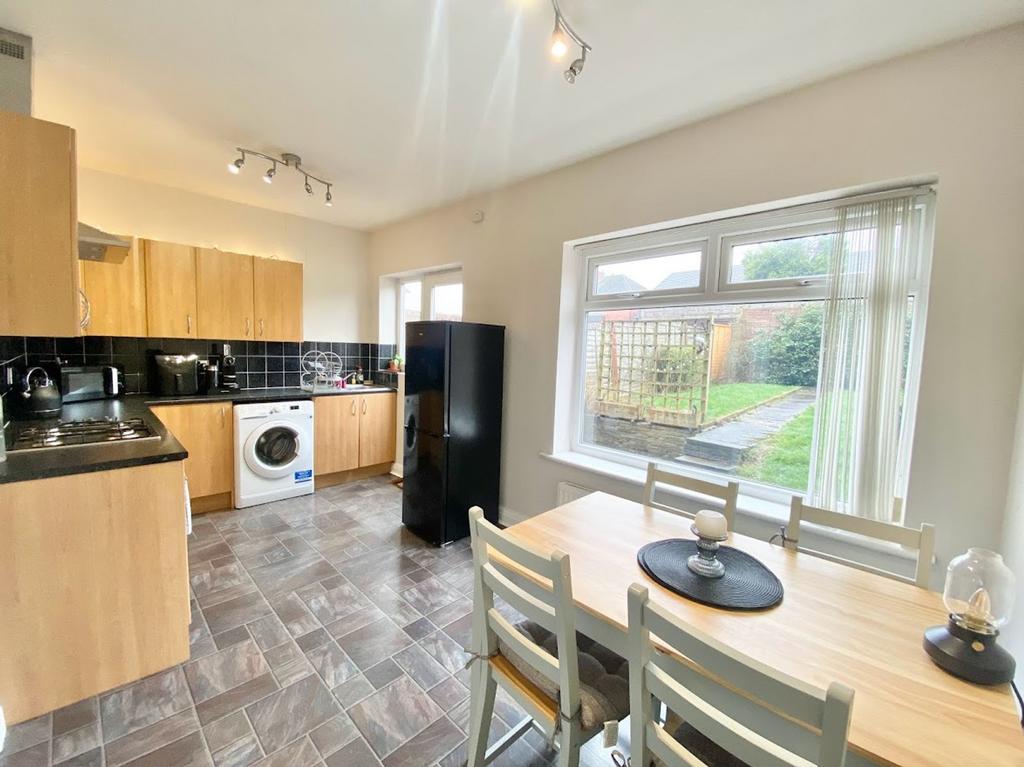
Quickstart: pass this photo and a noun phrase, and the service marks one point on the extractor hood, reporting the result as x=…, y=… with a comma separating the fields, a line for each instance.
x=97, y=245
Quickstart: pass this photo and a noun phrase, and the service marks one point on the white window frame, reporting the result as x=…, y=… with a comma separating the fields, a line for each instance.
x=428, y=279
x=718, y=234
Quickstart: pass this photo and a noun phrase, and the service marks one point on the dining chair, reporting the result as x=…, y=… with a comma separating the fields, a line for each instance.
x=657, y=475
x=568, y=685
x=921, y=539
x=735, y=710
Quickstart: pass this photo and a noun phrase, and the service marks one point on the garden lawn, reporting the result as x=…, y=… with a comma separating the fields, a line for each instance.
x=724, y=399
x=783, y=459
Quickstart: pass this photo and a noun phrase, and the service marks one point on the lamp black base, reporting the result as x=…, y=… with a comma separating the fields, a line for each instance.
x=968, y=654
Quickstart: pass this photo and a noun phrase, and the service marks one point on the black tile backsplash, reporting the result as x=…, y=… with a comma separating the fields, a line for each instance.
x=261, y=364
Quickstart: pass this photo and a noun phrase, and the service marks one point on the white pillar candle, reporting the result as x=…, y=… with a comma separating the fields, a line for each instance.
x=711, y=524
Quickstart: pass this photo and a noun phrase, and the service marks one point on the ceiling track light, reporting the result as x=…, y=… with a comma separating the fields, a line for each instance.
x=561, y=36
x=288, y=160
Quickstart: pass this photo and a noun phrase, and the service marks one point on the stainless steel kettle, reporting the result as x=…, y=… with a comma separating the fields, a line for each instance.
x=42, y=397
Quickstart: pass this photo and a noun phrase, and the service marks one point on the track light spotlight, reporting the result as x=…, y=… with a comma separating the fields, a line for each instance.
x=559, y=41
x=327, y=198
x=575, y=68
x=560, y=38
x=288, y=160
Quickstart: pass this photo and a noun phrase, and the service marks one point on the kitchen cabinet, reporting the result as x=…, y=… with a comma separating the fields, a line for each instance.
x=277, y=299
x=336, y=429
x=170, y=289
x=353, y=431
x=38, y=228
x=376, y=428
x=95, y=580
x=205, y=429
x=116, y=295
x=224, y=294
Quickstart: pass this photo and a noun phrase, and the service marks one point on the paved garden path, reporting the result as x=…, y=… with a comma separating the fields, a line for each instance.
x=724, y=446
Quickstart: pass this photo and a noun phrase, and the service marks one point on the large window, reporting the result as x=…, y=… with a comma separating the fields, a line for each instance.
x=703, y=344
x=435, y=295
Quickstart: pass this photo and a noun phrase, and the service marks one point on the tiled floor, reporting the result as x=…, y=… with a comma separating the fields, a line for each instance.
x=323, y=633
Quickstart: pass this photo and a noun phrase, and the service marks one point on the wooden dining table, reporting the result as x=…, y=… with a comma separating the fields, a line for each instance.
x=835, y=623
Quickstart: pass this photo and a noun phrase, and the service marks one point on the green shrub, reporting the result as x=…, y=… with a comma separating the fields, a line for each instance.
x=788, y=354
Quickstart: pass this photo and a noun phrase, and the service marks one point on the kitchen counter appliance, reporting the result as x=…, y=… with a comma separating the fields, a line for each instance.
x=70, y=433
x=177, y=374
x=84, y=383
x=40, y=396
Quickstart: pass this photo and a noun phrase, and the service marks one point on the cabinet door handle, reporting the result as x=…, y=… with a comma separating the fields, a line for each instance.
x=353, y=407
x=261, y=328
x=188, y=323
x=246, y=327
x=364, y=407
x=222, y=409
x=86, y=310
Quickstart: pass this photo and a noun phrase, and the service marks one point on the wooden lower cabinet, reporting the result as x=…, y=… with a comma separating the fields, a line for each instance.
x=336, y=428
x=94, y=570
x=353, y=431
x=206, y=430
x=376, y=428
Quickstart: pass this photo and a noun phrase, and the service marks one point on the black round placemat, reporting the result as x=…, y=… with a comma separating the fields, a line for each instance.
x=746, y=585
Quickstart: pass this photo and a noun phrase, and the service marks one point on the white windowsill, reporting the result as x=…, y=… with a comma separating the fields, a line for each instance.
x=756, y=508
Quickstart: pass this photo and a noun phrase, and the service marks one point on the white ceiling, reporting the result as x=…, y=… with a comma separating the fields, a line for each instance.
x=407, y=104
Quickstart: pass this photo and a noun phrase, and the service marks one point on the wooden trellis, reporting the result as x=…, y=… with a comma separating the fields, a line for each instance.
x=651, y=370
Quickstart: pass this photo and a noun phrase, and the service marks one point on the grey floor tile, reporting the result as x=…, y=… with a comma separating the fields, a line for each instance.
x=292, y=611
x=355, y=754
x=225, y=669
x=445, y=651
x=314, y=638
x=332, y=664
x=236, y=612
x=91, y=758
x=394, y=714
x=27, y=734
x=37, y=755
x=289, y=663
x=151, y=738
x=354, y=690
x=291, y=712
x=230, y=637
x=371, y=644
x=448, y=693
x=74, y=716
x=189, y=751
x=143, y=703
x=421, y=666
x=427, y=746
x=234, y=699
x=430, y=595
x=383, y=673
x=302, y=753
x=227, y=730
x=334, y=734
x=76, y=742
x=269, y=632
x=239, y=753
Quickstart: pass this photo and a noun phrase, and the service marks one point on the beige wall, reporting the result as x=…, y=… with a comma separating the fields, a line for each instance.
x=334, y=258
x=1013, y=543
x=956, y=111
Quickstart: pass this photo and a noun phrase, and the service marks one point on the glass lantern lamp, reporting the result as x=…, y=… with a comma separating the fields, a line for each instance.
x=979, y=595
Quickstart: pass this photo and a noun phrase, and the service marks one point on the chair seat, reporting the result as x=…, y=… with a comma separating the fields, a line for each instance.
x=704, y=748
x=604, y=676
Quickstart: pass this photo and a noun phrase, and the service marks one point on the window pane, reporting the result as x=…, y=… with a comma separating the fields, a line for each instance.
x=409, y=297
x=729, y=388
x=447, y=302
x=674, y=272
x=789, y=258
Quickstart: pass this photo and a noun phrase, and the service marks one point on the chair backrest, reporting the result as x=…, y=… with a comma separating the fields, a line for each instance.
x=550, y=607
x=920, y=539
x=657, y=475
x=756, y=713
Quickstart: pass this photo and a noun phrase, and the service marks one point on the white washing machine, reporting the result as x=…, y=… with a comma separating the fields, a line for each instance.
x=273, y=451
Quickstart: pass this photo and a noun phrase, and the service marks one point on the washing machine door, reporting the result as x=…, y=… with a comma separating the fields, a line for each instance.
x=272, y=449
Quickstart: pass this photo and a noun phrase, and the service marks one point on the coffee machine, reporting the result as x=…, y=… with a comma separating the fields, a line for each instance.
x=227, y=368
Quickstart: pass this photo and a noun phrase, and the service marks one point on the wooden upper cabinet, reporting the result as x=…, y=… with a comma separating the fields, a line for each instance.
x=38, y=228
x=116, y=293
x=336, y=430
x=171, y=290
x=277, y=299
x=206, y=430
x=224, y=294
x=377, y=428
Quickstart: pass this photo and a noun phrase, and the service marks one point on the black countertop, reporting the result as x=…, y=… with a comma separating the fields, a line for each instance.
x=23, y=465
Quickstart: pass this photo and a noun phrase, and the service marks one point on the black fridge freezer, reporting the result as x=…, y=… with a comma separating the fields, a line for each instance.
x=452, y=457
